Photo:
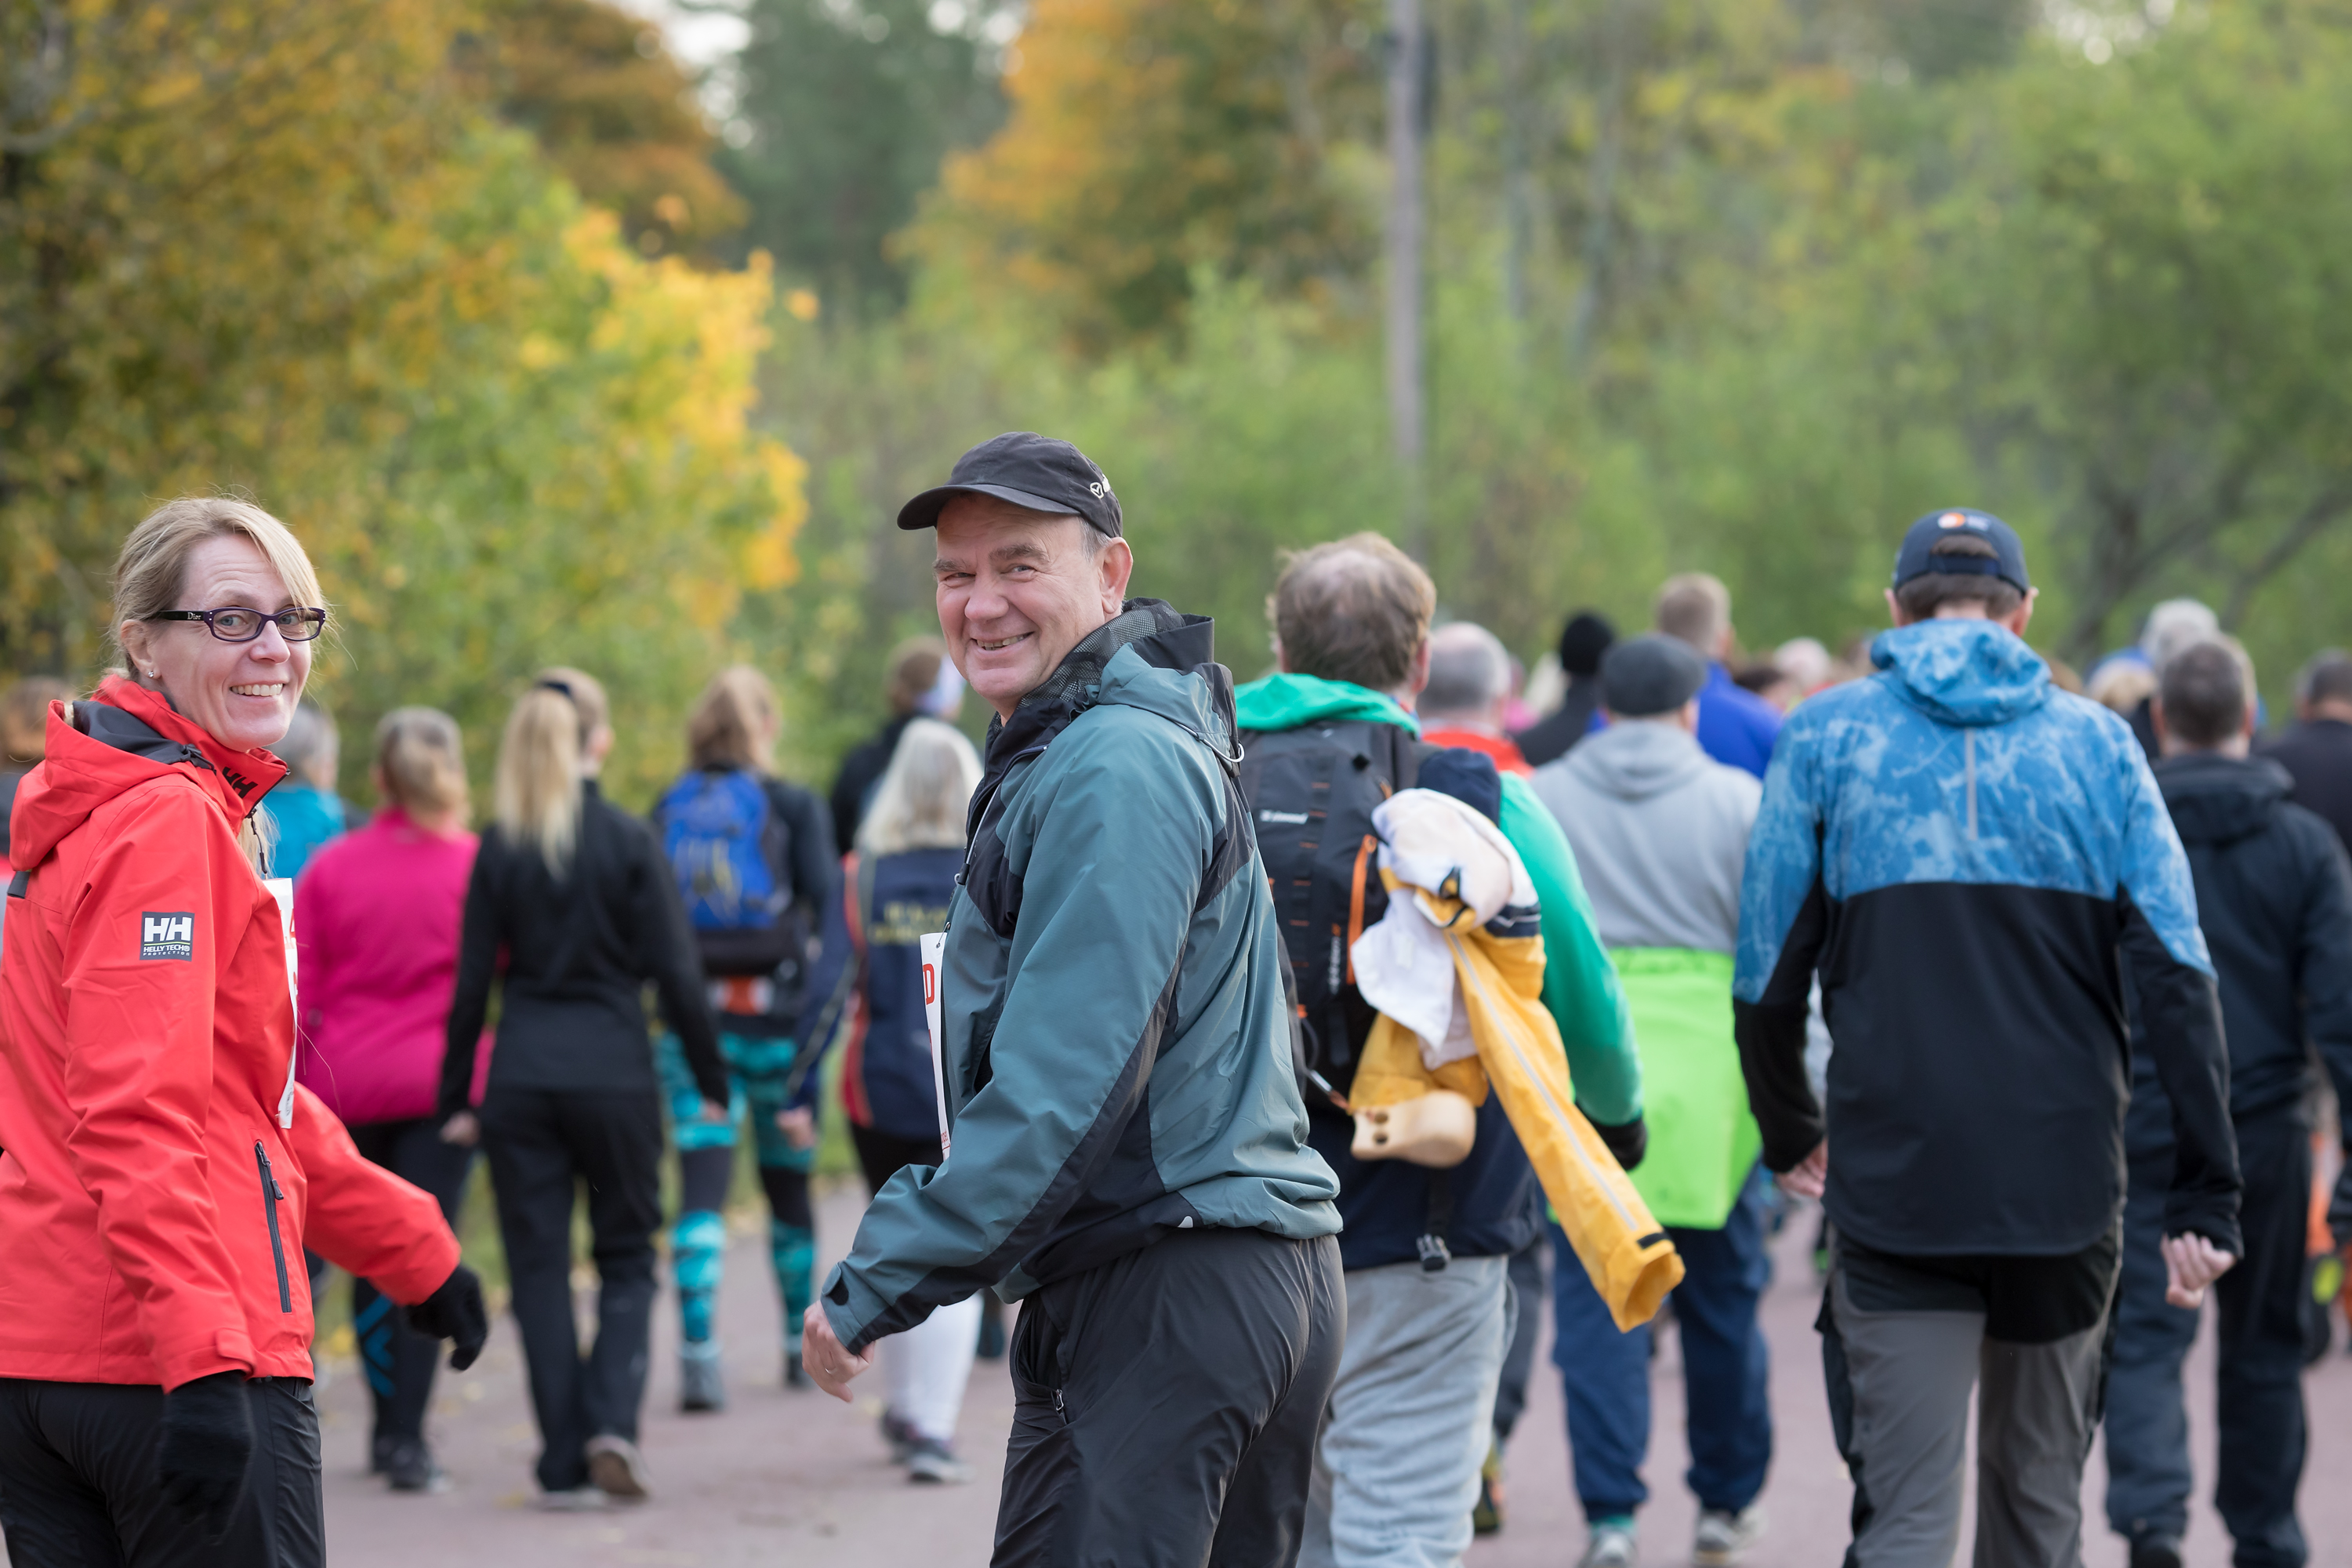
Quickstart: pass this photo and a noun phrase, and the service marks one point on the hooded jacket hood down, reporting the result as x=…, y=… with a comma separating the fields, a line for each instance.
x=163, y=1173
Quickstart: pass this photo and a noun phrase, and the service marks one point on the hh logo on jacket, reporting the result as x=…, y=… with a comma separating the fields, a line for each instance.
x=168, y=934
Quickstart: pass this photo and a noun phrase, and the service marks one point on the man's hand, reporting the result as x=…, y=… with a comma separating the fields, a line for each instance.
x=799, y=1126
x=714, y=1110
x=823, y=1357
x=464, y=1129
x=1809, y=1177
x=2191, y=1263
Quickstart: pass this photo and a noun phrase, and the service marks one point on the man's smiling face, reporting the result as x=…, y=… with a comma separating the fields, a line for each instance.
x=1018, y=590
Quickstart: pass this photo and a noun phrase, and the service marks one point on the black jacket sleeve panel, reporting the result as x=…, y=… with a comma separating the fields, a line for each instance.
x=2323, y=962
x=668, y=953
x=1770, y=1032
x=2183, y=1015
x=816, y=869
x=477, y=958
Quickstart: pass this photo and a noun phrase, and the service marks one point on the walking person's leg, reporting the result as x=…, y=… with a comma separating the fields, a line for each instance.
x=415, y=1154
x=1899, y=1352
x=1411, y=1413
x=2146, y=1420
x=1604, y=1375
x=1530, y=1273
x=697, y=1247
x=927, y=1368
x=1725, y=1375
x=765, y=1066
x=2041, y=1381
x=532, y=1174
x=2260, y=1307
x=615, y=1135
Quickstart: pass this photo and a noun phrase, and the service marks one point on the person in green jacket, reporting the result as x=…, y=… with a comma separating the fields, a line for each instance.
x=1430, y=1310
x=1126, y=1141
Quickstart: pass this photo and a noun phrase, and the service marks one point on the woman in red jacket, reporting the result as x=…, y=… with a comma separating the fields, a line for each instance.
x=163, y=1170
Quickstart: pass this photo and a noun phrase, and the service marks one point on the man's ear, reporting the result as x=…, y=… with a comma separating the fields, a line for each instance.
x=1281, y=659
x=2019, y=618
x=1894, y=614
x=1116, y=564
x=1416, y=679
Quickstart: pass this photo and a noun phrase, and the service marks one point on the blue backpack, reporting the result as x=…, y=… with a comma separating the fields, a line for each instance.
x=721, y=835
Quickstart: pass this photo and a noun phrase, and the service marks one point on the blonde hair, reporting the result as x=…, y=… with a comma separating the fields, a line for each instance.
x=537, y=790
x=420, y=756
x=921, y=800
x=734, y=723
x=153, y=567
x=1694, y=608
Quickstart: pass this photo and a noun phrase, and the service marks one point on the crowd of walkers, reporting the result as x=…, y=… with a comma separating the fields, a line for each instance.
x=1110, y=1009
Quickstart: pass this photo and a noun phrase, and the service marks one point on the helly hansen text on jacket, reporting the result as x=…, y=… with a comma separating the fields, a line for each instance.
x=1960, y=850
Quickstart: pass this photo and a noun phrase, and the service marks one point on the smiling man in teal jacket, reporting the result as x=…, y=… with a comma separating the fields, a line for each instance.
x=1128, y=1146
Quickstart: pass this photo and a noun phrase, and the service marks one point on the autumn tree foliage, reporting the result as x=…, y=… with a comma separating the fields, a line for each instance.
x=278, y=246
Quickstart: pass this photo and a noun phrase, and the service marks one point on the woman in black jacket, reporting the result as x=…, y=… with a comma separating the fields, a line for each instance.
x=578, y=898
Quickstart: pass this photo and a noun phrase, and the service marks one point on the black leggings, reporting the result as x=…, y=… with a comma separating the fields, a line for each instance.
x=705, y=1174
x=880, y=1155
x=78, y=1481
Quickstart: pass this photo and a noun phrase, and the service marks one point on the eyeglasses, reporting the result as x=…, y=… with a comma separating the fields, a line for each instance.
x=294, y=623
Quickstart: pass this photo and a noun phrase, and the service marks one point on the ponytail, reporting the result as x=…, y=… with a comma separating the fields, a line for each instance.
x=539, y=758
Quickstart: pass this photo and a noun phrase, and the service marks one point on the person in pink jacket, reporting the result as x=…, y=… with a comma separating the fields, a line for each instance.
x=376, y=918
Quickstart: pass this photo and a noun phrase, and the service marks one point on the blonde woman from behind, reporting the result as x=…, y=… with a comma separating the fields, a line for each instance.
x=909, y=848
x=576, y=894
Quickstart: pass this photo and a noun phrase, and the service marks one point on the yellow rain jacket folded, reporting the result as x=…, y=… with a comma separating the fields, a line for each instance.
x=1473, y=991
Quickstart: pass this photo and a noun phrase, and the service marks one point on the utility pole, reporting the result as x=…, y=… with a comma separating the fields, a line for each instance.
x=1408, y=414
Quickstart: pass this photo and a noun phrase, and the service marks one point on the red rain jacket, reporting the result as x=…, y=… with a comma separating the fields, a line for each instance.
x=162, y=1172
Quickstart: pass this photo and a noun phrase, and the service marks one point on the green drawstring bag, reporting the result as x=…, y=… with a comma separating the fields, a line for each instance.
x=1702, y=1142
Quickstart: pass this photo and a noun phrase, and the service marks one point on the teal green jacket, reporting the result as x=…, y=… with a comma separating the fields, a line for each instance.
x=1581, y=986
x=1117, y=1050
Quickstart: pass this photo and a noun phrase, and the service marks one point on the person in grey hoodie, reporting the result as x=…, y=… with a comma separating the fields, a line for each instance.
x=1125, y=1143
x=1660, y=831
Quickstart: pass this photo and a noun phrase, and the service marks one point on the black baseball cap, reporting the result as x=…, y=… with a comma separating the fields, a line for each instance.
x=1917, y=557
x=1027, y=470
x=1651, y=674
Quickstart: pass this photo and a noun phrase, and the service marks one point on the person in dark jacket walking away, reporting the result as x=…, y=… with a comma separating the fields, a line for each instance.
x=909, y=848
x=1431, y=1306
x=2274, y=900
x=1582, y=641
x=378, y=916
x=23, y=719
x=921, y=682
x=1958, y=849
x=753, y=859
x=574, y=895
x=1125, y=1146
x=2316, y=751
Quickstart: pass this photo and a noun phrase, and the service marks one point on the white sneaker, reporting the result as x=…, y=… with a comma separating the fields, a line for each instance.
x=1613, y=1546
x=932, y=1461
x=1722, y=1536
x=580, y=1500
x=618, y=1469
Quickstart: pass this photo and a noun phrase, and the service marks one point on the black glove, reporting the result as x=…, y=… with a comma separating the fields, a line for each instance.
x=454, y=1313
x=206, y=1442
x=1629, y=1140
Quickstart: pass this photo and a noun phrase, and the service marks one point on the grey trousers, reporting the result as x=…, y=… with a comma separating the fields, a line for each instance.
x=1902, y=1351
x=1396, y=1469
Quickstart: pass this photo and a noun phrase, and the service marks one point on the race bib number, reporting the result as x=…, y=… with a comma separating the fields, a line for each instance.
x=934, y=946
x=282, y=890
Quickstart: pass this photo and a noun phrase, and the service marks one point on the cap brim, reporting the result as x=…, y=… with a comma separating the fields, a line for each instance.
x=923, y=511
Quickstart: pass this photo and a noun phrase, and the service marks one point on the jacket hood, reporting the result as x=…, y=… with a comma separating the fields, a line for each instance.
x=2214, y=799
x=1636, y=759
x=1287, y=702
x=123, y=736
x=1966, y=672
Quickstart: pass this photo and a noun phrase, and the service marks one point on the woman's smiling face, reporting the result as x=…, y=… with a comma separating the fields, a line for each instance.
x=243, y=694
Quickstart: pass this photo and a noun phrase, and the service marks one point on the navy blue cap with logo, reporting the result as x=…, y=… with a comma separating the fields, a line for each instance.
x=1918, y=557
x=1029, y=470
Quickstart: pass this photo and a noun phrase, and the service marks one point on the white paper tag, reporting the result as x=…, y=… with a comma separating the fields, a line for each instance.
x=933, y=946
x=282, y=890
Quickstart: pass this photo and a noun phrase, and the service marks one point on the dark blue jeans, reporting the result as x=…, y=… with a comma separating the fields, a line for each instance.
x=1606, y=1375
x=2260, y=1374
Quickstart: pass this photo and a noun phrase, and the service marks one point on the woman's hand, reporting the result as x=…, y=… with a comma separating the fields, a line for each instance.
x=464, y=1129
x=822, y=1356
x=799, y=1126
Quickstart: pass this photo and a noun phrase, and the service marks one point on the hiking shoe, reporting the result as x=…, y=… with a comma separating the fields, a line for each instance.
x=795, y=1374
x=1611, y=1546
x=617, y=1468
x=409, y=1468
x=1722, y=1535
x=899, y=1435
x=2155, y=1551
x=700, y=1385
x=380, y=1449
x=1486, y=1514
x=932, y=1462
x=579, y=1500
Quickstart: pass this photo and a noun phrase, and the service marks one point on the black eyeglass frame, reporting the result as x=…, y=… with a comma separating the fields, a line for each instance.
x=315, y=619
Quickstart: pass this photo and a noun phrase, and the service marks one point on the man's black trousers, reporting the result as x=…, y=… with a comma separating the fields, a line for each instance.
x=77, y=1486
x=541, y=1142
x=1166, y=1405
